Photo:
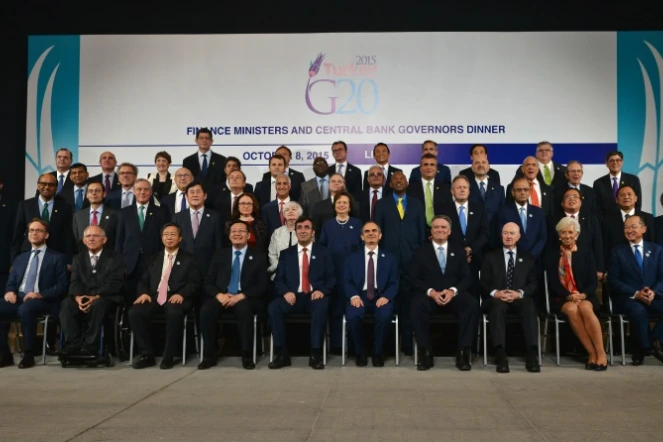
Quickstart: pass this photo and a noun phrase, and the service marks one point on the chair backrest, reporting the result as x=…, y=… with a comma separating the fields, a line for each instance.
x=546, y=294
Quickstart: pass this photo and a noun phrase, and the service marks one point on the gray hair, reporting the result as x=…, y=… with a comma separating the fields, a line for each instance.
x=294, y=204
x=566, y=222
x=103, y=232
x=285, y=175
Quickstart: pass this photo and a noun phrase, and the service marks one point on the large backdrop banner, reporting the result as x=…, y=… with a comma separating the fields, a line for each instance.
x=585, y=92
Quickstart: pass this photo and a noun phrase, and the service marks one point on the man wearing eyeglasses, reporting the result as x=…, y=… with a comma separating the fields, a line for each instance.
x=607, y=186
x=55, y=211
x=96, y=215
x=350, y=172
x=372, y=194
x=37, y=281
x=574, y=173
x=124, y=196
x=176, y=201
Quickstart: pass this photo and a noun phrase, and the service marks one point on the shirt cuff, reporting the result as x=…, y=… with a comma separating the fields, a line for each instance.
x=492, y=294
x=455, y=290
x=633, y=297
x=428, y=292
x=353, y=297
x=522, y=293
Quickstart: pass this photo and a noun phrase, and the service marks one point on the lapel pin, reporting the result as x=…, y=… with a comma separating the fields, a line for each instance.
x=250, y=258
x=452, y=254
x=530, y=215
x=437, y=188
x=208, y=215
x=520, y=260
x=150, y=213
x=177, y=263
x=107, y=217
x=622, y=183
x=212, y=163
x=544, y=193
x=648, y=253
x=382, y=255
x=471, y=213
x=313, y=257
x=351, y=227
x=56, y=211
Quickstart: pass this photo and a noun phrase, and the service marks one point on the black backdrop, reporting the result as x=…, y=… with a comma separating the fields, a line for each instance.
x=30, y=17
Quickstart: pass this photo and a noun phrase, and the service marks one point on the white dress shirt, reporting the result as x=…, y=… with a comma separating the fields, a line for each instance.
x=629, y=213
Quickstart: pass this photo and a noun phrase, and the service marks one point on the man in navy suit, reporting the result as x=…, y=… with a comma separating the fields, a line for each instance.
x=442, y=172
x=350, y=172
x=381, y=154
x=574, y=173
x=488, y=192
x=530, y=219
x=304, y=281
x=440, y=278
x=403, y=224
x=296, y=177
x=635, y=278
x=549, y=172
x=205, y=165
x=429, y=188
x=606, y=187
x=272, y=212
x=479, y=151
x=37, y=282
x=541, y=195
x=372, y=194
x=108, y=178
x=176, y=201
x=124, y=195
x=76, y=194
x=370, y=285
x=266, y=188
x=232, y=164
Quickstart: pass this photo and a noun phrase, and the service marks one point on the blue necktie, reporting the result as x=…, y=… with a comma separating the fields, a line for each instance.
x=462, y=219
x=441, y=258
x=638, y=256
x=31, y=279
x=78, y=205
x=203, y=171
x=482, y=189
x=233, y=285
x=183, y=206
x=523, y=219
x=60, y=183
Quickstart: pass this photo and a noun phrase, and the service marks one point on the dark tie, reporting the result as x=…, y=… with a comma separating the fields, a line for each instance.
x=627, y=216
x=509, y=272
x=107, y=185
x=183, y=205
x=233, y=285
x=78, y=204
x=370, y=277
x=615, y=188
x=203, y=170
x=60, y=183
x=44, y=214
x=31, y=279
x=290, y=242
x=638, y=257
x=482, y=189
x=374, y=201
x=306, y=286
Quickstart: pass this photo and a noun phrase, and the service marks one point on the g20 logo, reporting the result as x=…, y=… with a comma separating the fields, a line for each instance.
x=342, y=95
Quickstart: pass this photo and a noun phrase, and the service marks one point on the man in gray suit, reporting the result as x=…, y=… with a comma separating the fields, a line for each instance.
x=316, y=189
x=95, y=215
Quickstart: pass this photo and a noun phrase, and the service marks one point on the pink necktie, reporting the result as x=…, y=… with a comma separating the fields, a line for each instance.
x=95, y=221
x=163, y=287
x=281, y=203
x=573, y=216
x=195, y=224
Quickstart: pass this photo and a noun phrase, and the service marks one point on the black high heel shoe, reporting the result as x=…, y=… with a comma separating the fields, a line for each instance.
x=590, y=366
x=601, y=367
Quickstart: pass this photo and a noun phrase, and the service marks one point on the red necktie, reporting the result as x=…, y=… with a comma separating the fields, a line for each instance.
x=281, y=203
x=306, y=286
x=374, y=201
x=95, y=220
x=533, y=195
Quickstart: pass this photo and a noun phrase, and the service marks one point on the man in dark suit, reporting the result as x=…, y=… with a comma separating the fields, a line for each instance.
x=236, y=281
x=296, y=177
x=350, y=172
x=176, y=201
x=205, y=165
x=372, y=194
x=658, y=226
x=381, y=154
x=403, y=224
x=635, y=278
x=541, y=195
x=63, y=160
x=550, y=173
x=55, y=211
x=266, y=188
x=97, y=283
x=167, y=288
x=479, y=151
x=139, y=234
x=530, y=219
x=223, y=200
x=37, y=282
x=272, y=212
x=442, y=172
x=370, y=283
x=108, y=178
x=317, y=188
x=232, y=164
x=430, y=188
x=606, y=187
x=76, y=194
x=96, y=215
x=123, y=196
x=440, y=279
x=508, y=284
x=574, y=174
x=201, y=228
x=304, y=282
x=487, y=191
x=7, y=221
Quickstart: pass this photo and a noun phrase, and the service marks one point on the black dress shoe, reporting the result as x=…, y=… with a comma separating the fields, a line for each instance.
x=638, y=357
x=361, y=361
x=657, y=350
x=166, y=364
x=28, y=361
x=426, y=361
x=590, y=366
x=601, y=367
x=463, y=360
x=377, y=361
x=248, y=364
x=6, y=360
x=407, y=351
x=280, y=362
x=532, y=364
x=315, y=362
x=144, y=361
x=69, y=351
x=502, y=364
x=207, y=363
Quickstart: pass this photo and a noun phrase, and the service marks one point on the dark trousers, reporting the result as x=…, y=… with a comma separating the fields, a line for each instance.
x=243, y=311
x=71, y=319
x=463, y=306
x=404, y=312
x=336, y=310
x=382, y=317
x=133, y=279
x=28, y=312
x=141, y=317
x=638, y=314
x=279, y=309
x=525, y=308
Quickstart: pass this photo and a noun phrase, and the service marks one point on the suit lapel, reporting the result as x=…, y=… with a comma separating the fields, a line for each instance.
x=104, y=218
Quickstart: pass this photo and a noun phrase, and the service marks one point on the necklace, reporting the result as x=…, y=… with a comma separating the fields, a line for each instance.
x=343, y=222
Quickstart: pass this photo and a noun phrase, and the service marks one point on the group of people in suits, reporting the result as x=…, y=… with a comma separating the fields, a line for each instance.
x=336, y=245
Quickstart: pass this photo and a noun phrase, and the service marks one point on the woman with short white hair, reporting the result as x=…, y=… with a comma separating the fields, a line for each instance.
x=284, y=236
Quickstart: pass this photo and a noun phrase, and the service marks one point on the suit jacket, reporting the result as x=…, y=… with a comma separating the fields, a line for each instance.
x=603, y=190
x=185, y=277
x=7, y=221
x=354, y=274
x=493, y=272
x=443, y=174
x=365, y=199
x=476, y=232
x=221, y=204
x=559, y=179
x=107, y=221
x=215, y=173
x=322, y=211
x=207, y=240
x=613, y=230
x=60, y=239
x=321, y=273
x=271, y=217
x=310, y=193
x=132, y=242
x=590, y=237
x=547, y=198
x=441, y=194
x=387, y=179
x=68, y=194
x=658, y=230
x=401, y=236
x=493, y=176
x=53, y=277
x=115, y=182
x=352, y=175
x=586, y=194
x=625, y=277
x=252, y=277
x=425, y=272
x=106, y=279
x=584, y=270
x=494, y=199
x=168, y=201
x=67, y=181
x=534, y=238
x=296, y=180
x=114, y=199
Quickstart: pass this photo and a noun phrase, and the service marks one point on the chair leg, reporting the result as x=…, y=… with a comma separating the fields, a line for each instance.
x=255, y=339
x=416, y=351
x=485, y=346
x=623, y=330
x=610, y=342
x=545, y=335
x=557, y=340
x=271, y=348
x=202, y=342
x=131, y=348
x=324, y=347
x=184, y=343
x=397, y=349
x=17, y=339
x=538, y=329
x=195, y=335
x=43, y=343
x=344, y=339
